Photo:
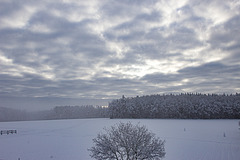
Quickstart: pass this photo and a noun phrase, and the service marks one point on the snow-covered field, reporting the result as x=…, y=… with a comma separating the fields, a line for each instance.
x=70, y=139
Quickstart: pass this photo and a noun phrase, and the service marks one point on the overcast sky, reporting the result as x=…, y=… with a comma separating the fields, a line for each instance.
x=103, y=49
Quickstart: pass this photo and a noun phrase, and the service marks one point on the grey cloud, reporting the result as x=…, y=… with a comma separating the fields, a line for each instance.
x=133, y=30
x=29, y=85
x=213, y=71
x=152, y=17
x=183, y=38
x=205, y=69
x=23, y=86
x=213, y=75
x=208, y=76
x=59, y=56
x=125, y=7
x=226, y=38
x=161, y=78
x=129, y=59
x=226, y=33
x=7, y=8
x=152, y=43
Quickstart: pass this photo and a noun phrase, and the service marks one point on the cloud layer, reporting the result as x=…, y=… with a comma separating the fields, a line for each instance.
x=104, y=49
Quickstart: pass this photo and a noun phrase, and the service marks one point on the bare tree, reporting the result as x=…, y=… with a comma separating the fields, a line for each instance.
x=127, y=142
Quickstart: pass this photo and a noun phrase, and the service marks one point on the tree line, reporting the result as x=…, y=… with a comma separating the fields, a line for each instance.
x=58, y=112
x=181, y=106
x=75, y=112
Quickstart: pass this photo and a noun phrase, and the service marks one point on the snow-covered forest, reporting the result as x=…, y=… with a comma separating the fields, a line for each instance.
x=183, y=106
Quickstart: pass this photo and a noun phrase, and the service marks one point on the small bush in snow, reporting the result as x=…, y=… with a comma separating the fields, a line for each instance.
x=127, y=142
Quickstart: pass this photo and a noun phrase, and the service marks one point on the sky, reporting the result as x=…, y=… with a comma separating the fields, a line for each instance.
x=68, y=52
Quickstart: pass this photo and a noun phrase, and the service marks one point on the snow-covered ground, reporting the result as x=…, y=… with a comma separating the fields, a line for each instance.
x=70, y=139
